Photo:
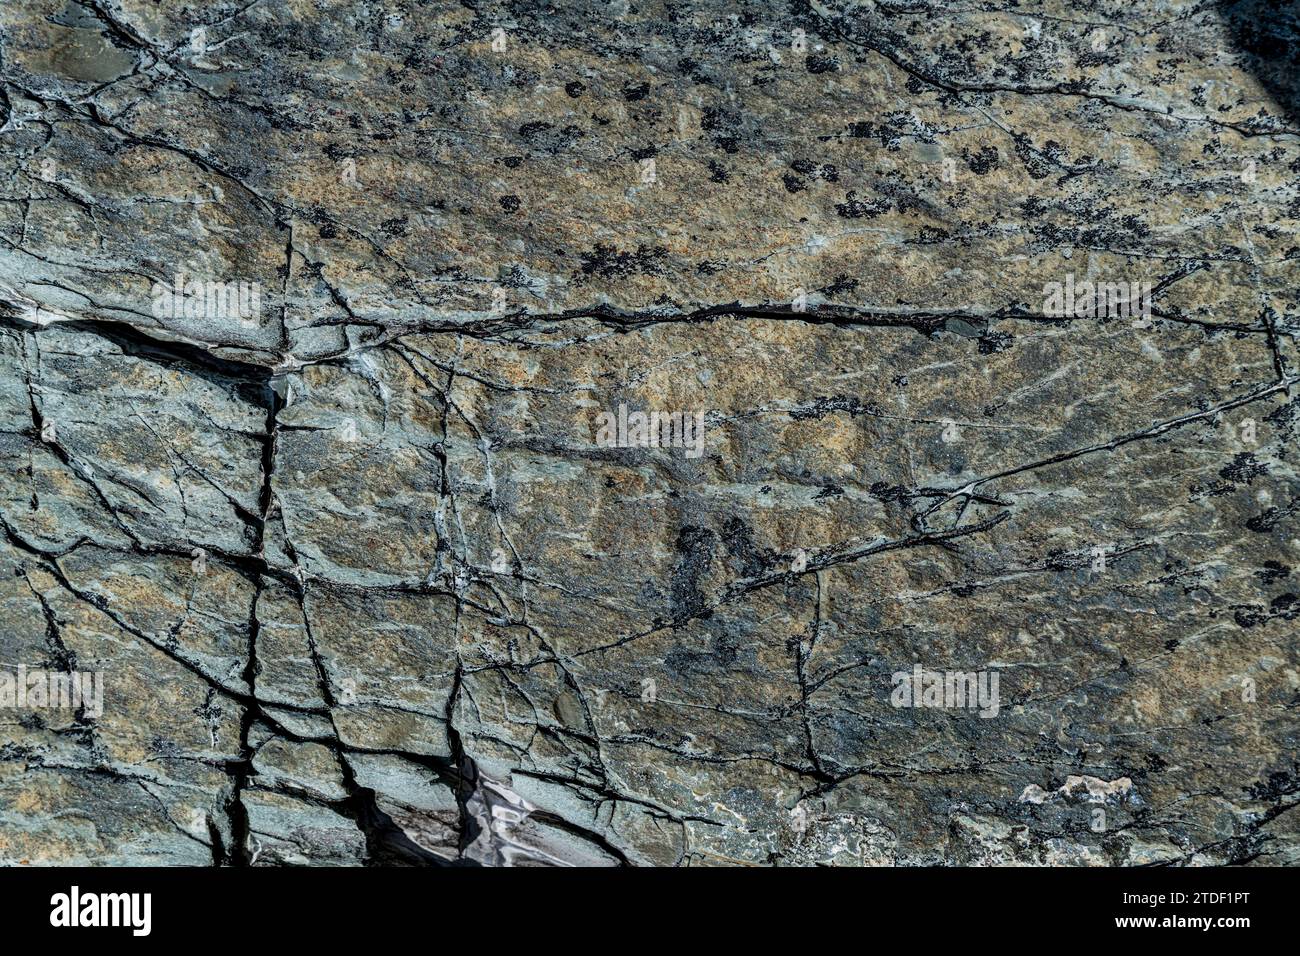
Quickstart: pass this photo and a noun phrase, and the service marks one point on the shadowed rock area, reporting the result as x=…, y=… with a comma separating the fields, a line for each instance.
x=967, y=530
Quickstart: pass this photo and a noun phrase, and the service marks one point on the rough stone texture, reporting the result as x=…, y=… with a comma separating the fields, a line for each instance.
x=362, y=583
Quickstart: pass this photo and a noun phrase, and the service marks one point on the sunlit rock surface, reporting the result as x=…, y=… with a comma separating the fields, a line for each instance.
x=362, y=539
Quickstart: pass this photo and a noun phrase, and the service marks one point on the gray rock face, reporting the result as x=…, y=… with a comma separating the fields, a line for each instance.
x=654, y=434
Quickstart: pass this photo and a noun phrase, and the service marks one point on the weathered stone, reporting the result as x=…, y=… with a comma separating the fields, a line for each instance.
x=363, y=541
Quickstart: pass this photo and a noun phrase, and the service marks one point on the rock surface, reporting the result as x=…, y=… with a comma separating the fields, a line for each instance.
x=368, y=583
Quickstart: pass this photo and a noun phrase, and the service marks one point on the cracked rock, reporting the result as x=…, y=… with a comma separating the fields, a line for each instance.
x=661, y=435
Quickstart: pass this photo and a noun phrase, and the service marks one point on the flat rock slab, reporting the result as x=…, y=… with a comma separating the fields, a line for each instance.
x=649, y=434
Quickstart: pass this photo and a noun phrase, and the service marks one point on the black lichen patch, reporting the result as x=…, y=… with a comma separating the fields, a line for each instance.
x=747, y=559
x=1285, y=607
x=991, y=342
x=695, y=552
x=608, y=262
x=724, y=126
x=855, y=208
x=821, y=407
x=821, y=63
x=981, y=162
x=1243, y=469
x=1272, y=571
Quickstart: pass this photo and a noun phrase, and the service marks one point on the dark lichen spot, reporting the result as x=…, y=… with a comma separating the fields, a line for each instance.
x=1272, y=571
x=530, y=131
x=821, y=407
x=991, y=342
x=854, y=208
x=1244, y=468
x=981, y=162
x=820, y=63
x=695, y=547
x=607, y=262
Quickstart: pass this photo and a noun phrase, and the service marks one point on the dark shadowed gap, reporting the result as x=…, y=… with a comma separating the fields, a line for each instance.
x=1267, y=32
